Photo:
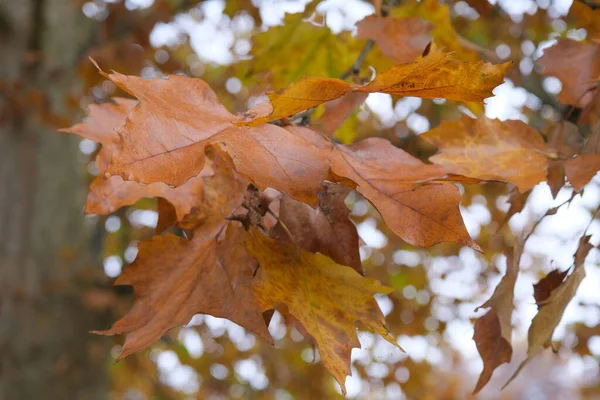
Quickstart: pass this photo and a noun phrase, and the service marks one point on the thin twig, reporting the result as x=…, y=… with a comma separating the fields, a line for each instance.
x=551, y=211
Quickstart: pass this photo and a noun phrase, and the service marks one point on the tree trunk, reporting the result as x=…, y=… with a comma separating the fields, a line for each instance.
x=46, y=351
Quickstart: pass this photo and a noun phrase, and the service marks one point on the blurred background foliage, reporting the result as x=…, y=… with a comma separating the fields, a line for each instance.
x=243, y=48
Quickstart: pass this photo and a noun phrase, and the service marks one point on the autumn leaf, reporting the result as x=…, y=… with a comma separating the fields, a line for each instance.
x=577, y=65
x=108, y=194
x=327, y=298
x=565, y=141
x=165, y=137
x=443, y=32
x=436, y=75
x=493, y=331
x=100, y=126
x=587, y=18
x=401, y=39
x=300, y=96
x=490, y=149
x=553, y=295
x=440, y=75
x=422, y=215
x=326, y=230
x=174, y=279
x=336, y=112
x=581, y=169
x=298, y=48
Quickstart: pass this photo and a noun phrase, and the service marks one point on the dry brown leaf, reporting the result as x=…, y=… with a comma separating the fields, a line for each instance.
x=491, y=149
x=401, y=39
x=338, y=111
x=108, y=194
x=581, y=169
x=327, y=298
x=422, y=215
x=174, y=279
x=493, y=331
x=100, y=126
x=577, y=65
x=165, y=137
x=555, y=297
x=435, y=75
x=326, y=230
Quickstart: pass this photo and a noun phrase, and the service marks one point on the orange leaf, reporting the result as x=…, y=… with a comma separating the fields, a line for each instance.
x=337, y=111
x=490, y=149
x=493, y=331
x=390, y=178
x=587, y=18
x=401, y=39
x=165, y=137
x=327, y=298
x=581, y=169
x=100, y=125
x=440, y=75
x=299, y=96
x=577, y=65
x=175, y=278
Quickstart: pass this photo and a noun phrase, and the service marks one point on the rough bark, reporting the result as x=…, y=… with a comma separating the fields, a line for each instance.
x=46, y=351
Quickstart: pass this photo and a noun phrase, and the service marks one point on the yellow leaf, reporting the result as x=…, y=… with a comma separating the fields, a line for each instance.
x=327, y=298
x=443, y=32
x=440, y=75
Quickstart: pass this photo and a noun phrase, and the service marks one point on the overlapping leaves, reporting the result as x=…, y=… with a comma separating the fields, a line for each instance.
x=157, y=147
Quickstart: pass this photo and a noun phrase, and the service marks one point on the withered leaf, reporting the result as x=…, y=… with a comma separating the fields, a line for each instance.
x=337, y=111
x=391, y=179
x=436, y=75
x=440, y=75
x=108, y=194
x=174, y=278
x=165, y=137
x=493, y=331
x=577, y=65
x=401, y=39
x=554, y=299
x=491, y=149
x=581, y=169
x=100, y=125
x=326, y=229
x=299, y=96
x=327, y=298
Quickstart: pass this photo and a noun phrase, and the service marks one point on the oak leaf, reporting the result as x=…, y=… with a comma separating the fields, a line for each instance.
x=577, y=65
x=422, y=215
x=174, y=279
x=493, y=330
x=299, y=96
x=581, y=169
x=435, y=75
x=443, y=32
x=165, y=137
x=401, y=39
x=440, y=75
x=336, y=112
x=327, y=298
x=326, y=229
x=490, y=149
x=108, y=194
